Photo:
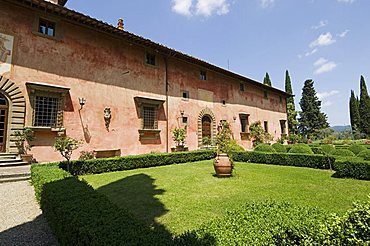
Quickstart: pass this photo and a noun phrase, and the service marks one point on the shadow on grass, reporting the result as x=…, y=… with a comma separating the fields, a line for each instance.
x=137, y=194
x=80, y=215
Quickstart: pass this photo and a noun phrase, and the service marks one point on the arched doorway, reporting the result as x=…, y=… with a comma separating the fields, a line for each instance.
x=4, y=108
x=206, y=127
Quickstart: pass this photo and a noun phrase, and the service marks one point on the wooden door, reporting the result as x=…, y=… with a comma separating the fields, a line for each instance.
x=206, y=127
x=3, y=122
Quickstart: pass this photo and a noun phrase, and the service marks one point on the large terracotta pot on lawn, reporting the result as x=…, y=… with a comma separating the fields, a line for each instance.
x=222, y=165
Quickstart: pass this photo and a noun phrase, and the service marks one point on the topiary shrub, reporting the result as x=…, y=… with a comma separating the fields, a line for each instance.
x=301, y=149
x=365, y=154
x=356, y=148
x=343, y=152
x=265, y=148
x=280, y=148
x=328, y=148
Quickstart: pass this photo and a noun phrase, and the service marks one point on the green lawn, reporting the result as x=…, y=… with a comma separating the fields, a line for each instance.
x=181, y=197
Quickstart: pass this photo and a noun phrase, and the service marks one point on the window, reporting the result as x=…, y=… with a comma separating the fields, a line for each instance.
x=281, y=99
x=244, y=122
x=47, y=27
x=149, y=117
x=150, y=59
x=148, y=113
x=223, y=103
x=47, y=110
x=185, y=94
x=203, y=75
x=265, y=93
x=266, y=126
x=47, y=102
x=242, y=87
x=283, y=127
x=184, y=120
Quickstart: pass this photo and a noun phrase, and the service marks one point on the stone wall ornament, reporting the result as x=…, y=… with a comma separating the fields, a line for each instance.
x=107, y=117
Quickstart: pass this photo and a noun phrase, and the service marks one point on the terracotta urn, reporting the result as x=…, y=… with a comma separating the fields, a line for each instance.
x=222, y=165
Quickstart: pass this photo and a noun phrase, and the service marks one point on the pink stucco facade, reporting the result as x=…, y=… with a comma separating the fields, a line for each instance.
x=111, y=71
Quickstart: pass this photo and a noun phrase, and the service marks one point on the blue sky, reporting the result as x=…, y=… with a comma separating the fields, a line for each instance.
x=324, y=40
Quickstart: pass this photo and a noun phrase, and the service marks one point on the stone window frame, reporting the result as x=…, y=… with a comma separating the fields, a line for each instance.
x=203, y=75
x=36, y=26
x=142, y=102
x=146, y=60
x=242, y=87
x=47, y=90
x=283, y=129
x=266, y=126
x=185, y=95
x=246, y=134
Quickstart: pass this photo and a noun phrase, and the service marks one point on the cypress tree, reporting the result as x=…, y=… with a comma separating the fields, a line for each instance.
x=290, y=105
x=364, y=108
x=266, y=80
x=311, y=118
x=354, y=113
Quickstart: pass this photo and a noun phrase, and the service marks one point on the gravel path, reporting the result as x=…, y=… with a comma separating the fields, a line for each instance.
x=21, y=220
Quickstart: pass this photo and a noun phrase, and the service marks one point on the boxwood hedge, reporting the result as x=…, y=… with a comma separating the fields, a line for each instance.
x=79, y=215
x=80, y=167
x=265, y=148
x=285, y=159
x=354, y=168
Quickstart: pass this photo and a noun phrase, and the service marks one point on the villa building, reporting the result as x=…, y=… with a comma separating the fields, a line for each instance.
x=63, y=72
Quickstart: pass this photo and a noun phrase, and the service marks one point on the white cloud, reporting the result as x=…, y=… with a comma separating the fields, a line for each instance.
x=320, y=62
x=182, y=7
x=208, y=7
x=346, y=1
x=323, y=40
x=266, y=3
x=326, y=94
x=326, y=104
x=321, y=24
x=325, y=67
x=311, y=52
x=343, y=34
x=200, y=7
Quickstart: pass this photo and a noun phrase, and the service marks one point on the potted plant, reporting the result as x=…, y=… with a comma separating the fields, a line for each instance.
x=179, y=136
x=23, y=141
x=206, y=142
x=222, y=163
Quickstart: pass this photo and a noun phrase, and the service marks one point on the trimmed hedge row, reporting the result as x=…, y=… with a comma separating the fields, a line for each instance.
x=264, y=223
x=354, y=168
x=272, y=223
x=79, y=215
x=132, y=162
x=285, y=159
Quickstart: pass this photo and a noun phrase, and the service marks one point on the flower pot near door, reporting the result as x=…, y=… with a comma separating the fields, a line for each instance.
x=222, y=165
x=27, y=158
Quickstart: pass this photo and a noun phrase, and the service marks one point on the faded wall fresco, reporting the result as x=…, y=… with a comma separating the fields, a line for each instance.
x=6, y=49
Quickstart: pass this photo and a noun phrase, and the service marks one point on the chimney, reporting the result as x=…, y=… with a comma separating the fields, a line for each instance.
x=120, y=24
x=58, y=2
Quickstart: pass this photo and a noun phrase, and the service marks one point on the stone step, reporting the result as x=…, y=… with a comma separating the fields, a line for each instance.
x=14, y=179
x=12, y=163
x=15, y=171
x=7, y=156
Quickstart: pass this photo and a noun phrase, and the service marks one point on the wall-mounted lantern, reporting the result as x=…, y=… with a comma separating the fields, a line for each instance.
x=82, y=101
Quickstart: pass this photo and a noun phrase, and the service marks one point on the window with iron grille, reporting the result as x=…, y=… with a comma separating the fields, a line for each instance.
x=150, y=117
x=47, y=111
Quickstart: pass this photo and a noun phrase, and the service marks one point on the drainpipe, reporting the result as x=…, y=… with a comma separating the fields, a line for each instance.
x=166, y=88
